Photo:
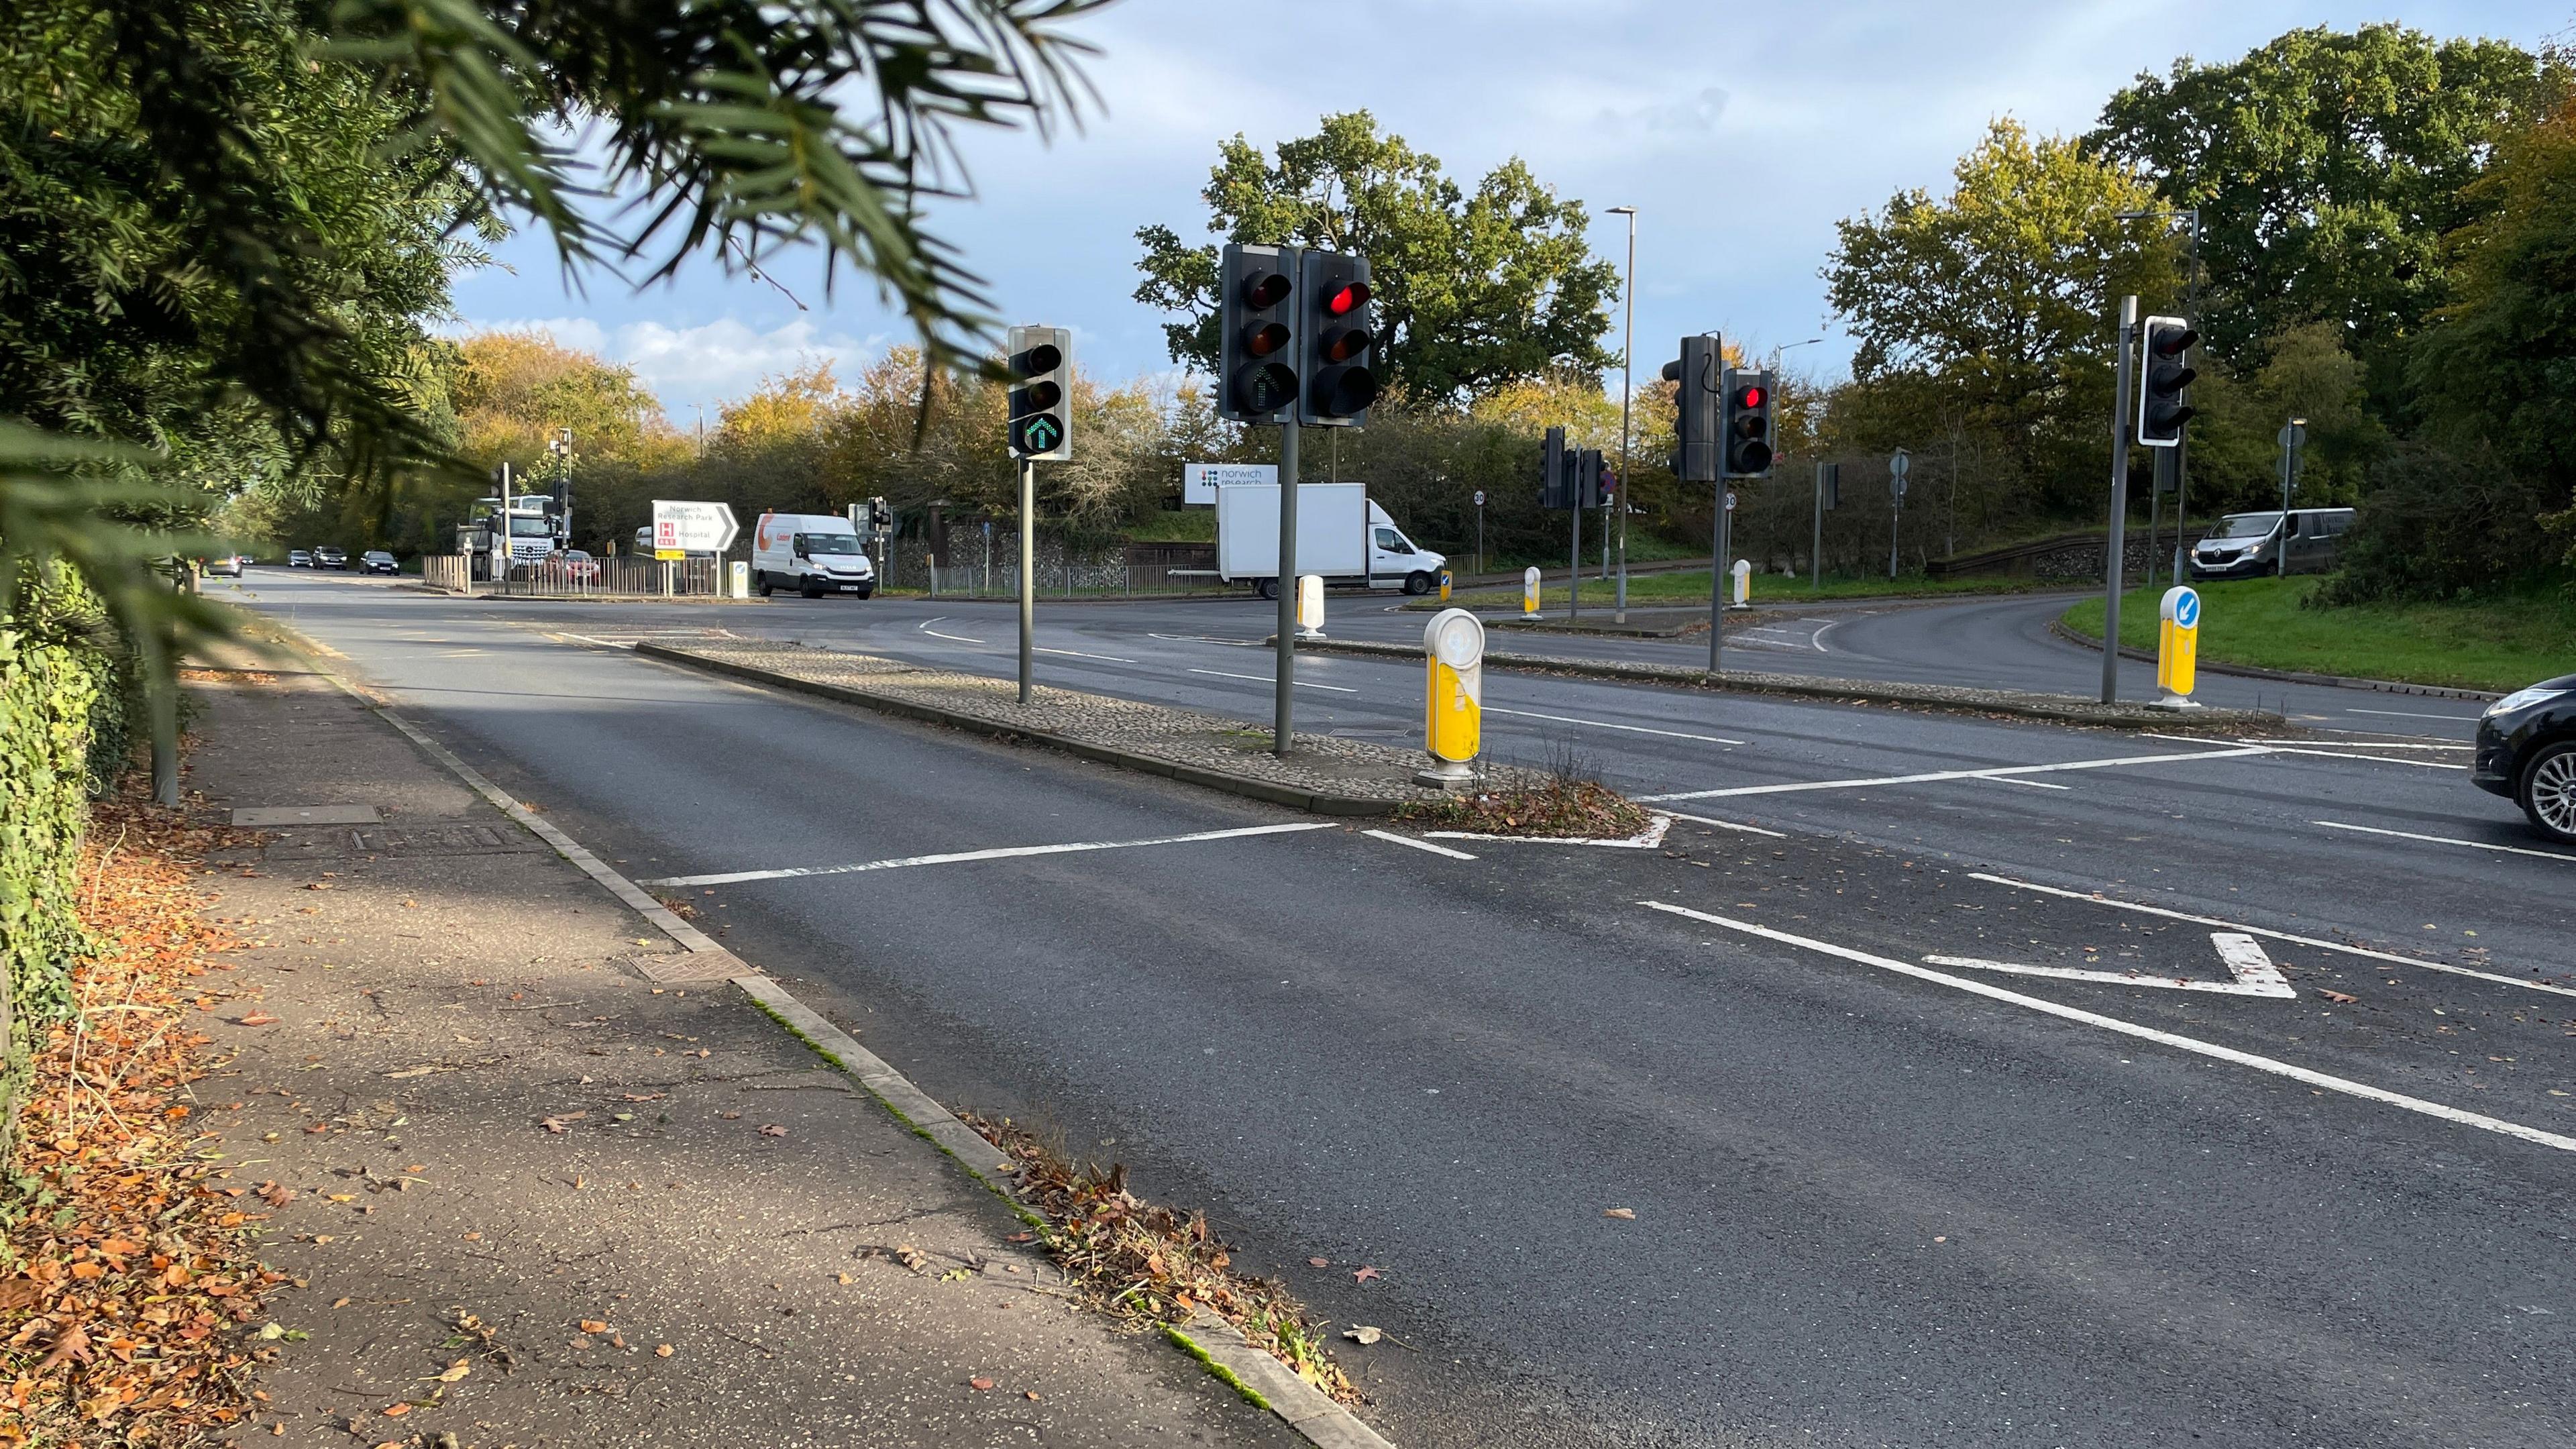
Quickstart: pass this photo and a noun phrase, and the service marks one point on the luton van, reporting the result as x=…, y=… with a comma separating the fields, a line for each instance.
x=813, y=553
x=1341, y=535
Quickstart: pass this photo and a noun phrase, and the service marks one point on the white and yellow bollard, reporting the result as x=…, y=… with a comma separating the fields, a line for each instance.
x=1743, y=584
x=2177, y=647
x=1529, y=592
x=1310, y=606
x=1453, y=644
x=1444, y=586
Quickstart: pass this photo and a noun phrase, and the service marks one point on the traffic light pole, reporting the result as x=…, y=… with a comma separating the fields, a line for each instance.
x=1282, y=709
x=1028, y=577
x=2114, y=552
x=1574, y=573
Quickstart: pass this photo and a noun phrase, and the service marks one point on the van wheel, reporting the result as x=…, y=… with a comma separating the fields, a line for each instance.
x=2548, y=793
x=760, y=581
x=809, y=588
x=1267, y=588
x=1417, y=582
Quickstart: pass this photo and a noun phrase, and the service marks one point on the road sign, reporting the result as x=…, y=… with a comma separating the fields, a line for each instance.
x=1899, y=463
x=1730, y=500
x=686, y=526
x=1480, y=498
x=2177, y=645
x=1199, y=481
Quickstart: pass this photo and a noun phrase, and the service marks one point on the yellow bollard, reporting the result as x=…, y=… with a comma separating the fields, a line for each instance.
x=2177, y=646
x=1529, y=592
x=1444, y=586
x=1453, y=645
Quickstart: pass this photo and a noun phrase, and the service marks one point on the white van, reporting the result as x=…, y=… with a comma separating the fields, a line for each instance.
x=1342, y=535
x=813, y=553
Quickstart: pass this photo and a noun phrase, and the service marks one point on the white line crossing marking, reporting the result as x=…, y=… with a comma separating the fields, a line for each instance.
x=1728, y=825
x=2446, y=840
x=1267, y=679
x=2417, y=714
x=2254, y=973
x=1933, y=776
x=1390, y=835
x=1008, y=852
x=1078, y=654
x=1606, y=725
x=1646, y=839
x=2194, y=1045
x=2147, y=910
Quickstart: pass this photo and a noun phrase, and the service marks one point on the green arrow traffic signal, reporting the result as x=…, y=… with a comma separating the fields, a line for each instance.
x=1040, y=434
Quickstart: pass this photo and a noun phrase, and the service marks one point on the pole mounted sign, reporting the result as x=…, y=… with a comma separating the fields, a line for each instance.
x=1199, y=481
x=682, y=527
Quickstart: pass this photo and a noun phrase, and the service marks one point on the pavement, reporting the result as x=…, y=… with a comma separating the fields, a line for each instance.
x=1970, y=1081
x=529, y=1197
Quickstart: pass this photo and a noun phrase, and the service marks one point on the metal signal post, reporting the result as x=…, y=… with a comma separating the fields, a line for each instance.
x=2114, y=553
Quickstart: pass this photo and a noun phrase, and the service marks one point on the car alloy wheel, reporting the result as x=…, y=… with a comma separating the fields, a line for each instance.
x=2549, y=791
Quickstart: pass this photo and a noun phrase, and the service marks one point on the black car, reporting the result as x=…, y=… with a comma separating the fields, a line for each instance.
x=2527, y=753
x=330, y=556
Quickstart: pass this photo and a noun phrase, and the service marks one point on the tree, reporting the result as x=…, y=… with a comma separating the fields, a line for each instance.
x=1472, y=290
x=2327, y=167
x=513, y=391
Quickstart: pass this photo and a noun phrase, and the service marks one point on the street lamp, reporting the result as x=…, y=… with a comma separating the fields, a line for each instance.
x=1627, y=394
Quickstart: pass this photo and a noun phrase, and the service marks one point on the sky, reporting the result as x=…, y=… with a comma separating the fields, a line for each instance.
x=1740, y=133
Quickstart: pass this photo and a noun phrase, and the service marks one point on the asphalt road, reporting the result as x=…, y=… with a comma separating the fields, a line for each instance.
x=1988, y=1199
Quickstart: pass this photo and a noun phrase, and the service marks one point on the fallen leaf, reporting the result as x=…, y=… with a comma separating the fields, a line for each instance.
x=2338, y=997
x=396, y=1411
x=979, y=1383
x=455, y=1371
x=1364, y=1274
x=663, y=1351
x=275, y=1194
x=1623, y=1214
x=1363, y=1333
x=1029, y=1394
x=593, y=1325
x=1319, y=1262
x=256, y=1018
x=773, y=1130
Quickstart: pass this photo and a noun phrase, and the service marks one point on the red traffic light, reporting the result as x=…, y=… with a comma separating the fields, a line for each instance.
x=1342, y=300
x=1750, y=397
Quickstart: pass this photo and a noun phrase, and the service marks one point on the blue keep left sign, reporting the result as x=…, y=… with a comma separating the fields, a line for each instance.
x=2187, y=610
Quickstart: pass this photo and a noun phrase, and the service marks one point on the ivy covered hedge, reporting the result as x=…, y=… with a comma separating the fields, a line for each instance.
x=52, y=696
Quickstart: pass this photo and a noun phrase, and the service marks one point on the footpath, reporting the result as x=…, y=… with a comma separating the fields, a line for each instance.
x=533, y=1186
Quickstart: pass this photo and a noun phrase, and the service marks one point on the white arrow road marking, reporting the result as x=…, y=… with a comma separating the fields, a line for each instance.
x=1008, y=852
x=2255, y=974
x=2194, y=1045
x=1646, y=839
x=2147, y=910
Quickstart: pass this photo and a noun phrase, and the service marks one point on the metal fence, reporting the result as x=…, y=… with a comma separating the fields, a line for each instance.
x=973, y=574
x=563, y=579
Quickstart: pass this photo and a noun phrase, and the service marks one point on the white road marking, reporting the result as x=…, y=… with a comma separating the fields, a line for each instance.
x=2447, y=840
x=1078, y=654
x=2147, y=910
x=2027, y=784
x=1933, y=776
x=924, y=627
x=1419, y=844
x=1729, y=825
x=1007, y=852
x=1646, y=839
x=2254, y=973
x=2417, y=714
x=2194, y=1045
x=1268, y=679
x=2399, y=745
x=1606, y=725
x=1206, y=639
x=2323, y=754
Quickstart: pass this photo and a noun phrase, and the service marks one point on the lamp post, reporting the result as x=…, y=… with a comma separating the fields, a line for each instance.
x=1627, y=394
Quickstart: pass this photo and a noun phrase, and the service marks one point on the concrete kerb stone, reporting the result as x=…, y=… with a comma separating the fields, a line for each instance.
x=2059, y=628
x=1312, y=802
x=1216, y=1344
x=2070, y=710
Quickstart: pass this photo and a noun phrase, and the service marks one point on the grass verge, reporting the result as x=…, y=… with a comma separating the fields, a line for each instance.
x=1152, y=1263
x=130, y=1270
x=2500, y=644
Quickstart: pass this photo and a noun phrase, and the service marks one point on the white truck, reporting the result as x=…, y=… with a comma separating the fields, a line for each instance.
x=813, y=553
x=1340, y=535
x=532, y=531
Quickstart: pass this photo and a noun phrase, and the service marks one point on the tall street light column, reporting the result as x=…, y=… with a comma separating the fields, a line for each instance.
x=1627, y=397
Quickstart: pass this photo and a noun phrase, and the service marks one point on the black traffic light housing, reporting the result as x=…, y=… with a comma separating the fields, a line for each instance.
x=1750, y=406
x=1589, y=471
x=1555, y=471
x=2163, y=380
x=1337, y=346
x=1041, y=392
x=1259, y=350
x=1700, y=376
x=880, y=517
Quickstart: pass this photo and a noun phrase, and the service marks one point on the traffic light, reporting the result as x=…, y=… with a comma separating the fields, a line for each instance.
x=1555, y=472
x=880, y=517
x=1700, y=374
x=1337, y=348
x=2168, y=371
x=1749, y=405
x=1589, y=476
x=1258, y=351
x=1041, y=388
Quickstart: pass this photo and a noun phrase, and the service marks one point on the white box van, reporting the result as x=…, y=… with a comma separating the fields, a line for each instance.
x=1341, y=534
x=813, y=553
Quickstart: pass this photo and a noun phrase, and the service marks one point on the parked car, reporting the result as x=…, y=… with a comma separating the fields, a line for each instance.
x=2248, y=545
x=299, y=558
x=377, y=561
x=330, y=556
x=573, y=564
x=228, y=565
x=2527, y=753
x=812, y=553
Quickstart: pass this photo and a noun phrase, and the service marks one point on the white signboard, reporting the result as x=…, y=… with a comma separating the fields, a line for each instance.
x=1332, y=531
x=1199, y=481
x=684, y=527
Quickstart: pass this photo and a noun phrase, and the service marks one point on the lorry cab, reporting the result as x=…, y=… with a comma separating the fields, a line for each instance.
x=1394, y=558
x=813, y=553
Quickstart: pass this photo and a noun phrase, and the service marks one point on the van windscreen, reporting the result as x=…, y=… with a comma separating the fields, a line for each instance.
x=2246, y=525
x=829, y=542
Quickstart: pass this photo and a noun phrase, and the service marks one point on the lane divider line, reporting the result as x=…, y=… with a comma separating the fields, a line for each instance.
x=1267, y=679
x=2194, y=1045
x=1078, y=654
x=1935, y=776
x=1727, y=824
x=1599, y=724
x=1389, y=835
x=2447, y=840
x=960, y=857
x=2170, y=915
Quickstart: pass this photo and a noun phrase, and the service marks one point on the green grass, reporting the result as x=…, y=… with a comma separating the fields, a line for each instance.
x=2489, y=644
x=1691, y=587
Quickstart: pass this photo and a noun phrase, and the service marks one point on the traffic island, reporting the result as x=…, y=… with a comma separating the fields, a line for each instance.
x=1326, y=774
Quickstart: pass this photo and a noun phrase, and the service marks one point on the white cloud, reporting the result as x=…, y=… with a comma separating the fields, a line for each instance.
x=706, y=364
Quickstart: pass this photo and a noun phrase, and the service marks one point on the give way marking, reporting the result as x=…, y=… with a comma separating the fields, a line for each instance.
x=2254, y=973
x=1007, y=852
x=2320, y=1080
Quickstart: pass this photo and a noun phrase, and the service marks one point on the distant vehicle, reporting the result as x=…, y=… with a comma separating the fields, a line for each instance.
x=2248, y=545
x=1340, y=535
x=813, y=553
x=377, y=561
x=228, y=565
x=534, y=531
x=2527, y=753
x=574, y=564
x=299, y=558
x=330, y=556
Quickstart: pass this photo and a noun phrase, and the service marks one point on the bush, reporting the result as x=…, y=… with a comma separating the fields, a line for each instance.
x=2445, y=524
x=48, y=694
